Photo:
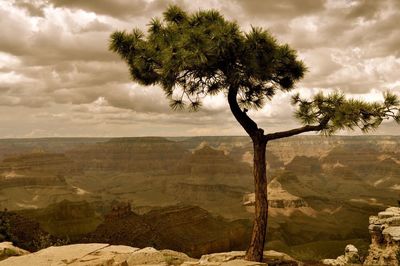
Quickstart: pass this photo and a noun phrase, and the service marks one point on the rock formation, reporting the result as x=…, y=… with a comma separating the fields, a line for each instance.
x=385, y=238
x=350, y=257
x=210, y=162
x=277, y=198
x=159, y=172
x=7, y=249
x=119, y=210
x=66, y=219
x=36, y=169
x=129, y=155
x=104, y=254
x=24, y=232
x=189, y=229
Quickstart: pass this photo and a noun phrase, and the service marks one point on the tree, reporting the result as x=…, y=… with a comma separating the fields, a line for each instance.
x=194, y=55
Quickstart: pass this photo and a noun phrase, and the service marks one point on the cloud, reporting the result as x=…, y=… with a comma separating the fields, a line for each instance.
x=96, y=26
x=58, y=78
x=34, y=8
x=281, y=9
x=365, y=9
x=116, y=8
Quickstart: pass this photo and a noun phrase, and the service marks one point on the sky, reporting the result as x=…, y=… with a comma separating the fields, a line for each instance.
x=58, y=78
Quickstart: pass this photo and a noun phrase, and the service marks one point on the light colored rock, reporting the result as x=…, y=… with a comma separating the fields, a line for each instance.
x=339, y=261
x=113, y=255
x=392, y=232
x=386, y=214
x=277, y=198
x=151, y=256
x=395, y=210
x=241, y=262
x=350, y=257
x=234, y=258
x=385, y=238
x=222, y=257
x=350, y=249
x=373, y=219
x=98, y=255
x=272, y=255
x=54, y=255
x=351, y=254
x=117, y=255
x=393, y=221
x=7, y=249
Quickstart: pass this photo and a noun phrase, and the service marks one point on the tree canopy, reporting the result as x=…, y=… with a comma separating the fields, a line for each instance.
x=194, y=55
x=202, y=54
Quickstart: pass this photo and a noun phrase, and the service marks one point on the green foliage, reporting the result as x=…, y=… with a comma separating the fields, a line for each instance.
x=193, y=55
x=45, y=240
x=5, y=230
x=6, y=253
x=335, y=112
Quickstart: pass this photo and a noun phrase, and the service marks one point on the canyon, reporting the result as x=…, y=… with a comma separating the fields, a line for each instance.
x=383, y=250
x=69, y=187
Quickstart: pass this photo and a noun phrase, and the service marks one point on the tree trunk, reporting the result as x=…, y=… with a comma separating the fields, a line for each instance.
x=256, y=248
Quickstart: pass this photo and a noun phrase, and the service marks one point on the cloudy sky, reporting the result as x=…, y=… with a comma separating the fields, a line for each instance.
x=57, y=77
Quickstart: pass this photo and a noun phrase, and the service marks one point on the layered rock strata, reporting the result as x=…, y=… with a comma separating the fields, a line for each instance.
x=277, y=198
x=385, y=238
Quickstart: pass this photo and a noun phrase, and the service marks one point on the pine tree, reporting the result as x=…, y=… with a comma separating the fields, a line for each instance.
x=194, y=55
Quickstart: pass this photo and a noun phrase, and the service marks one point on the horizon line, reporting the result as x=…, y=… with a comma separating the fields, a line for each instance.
x=204, y=136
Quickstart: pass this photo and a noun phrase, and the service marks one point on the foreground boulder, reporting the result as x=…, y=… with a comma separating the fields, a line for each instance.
x=99, y=255
x=236, y=258
x=350, y=257
x=7, y=249
x=385, y=238
x=116, y=255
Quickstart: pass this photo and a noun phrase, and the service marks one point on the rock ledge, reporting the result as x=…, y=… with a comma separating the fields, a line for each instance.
x=385, y=238
x=116, y=255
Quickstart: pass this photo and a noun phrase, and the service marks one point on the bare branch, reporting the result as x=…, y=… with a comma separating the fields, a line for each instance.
x=296, y=131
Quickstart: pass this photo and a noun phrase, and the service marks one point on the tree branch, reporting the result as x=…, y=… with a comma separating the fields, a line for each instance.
x=245, y=121
x=296, y=131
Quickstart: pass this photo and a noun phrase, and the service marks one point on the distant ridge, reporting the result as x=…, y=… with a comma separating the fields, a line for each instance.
x=139, y=139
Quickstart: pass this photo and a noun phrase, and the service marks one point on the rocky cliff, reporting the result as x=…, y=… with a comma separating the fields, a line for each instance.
x=215, y=165
x=385, y=238
x=350, y=257
x=129, y=155
x=278, y=198
x=189, y=229
x=35, y=169
x=323, y=172
x=66, y=219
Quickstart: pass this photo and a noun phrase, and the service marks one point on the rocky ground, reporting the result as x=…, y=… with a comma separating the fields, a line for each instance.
x=117, y=255
x=350, y=256
x=384, y=250
x=385, y=238
x=385, y=242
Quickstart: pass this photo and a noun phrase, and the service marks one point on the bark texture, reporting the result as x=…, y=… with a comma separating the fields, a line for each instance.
x=256, y=247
